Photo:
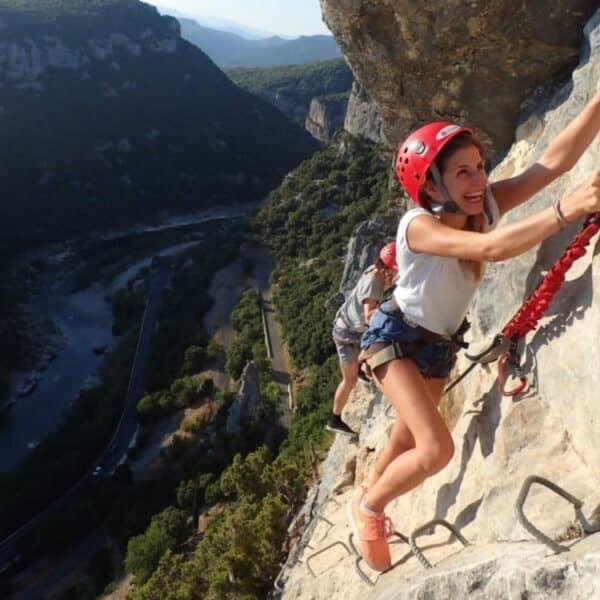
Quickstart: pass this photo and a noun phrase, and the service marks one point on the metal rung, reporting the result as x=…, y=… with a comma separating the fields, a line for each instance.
x=536, y=533
x=357, y=564
x=330, y=525
x=424, y=529
x=338, y=543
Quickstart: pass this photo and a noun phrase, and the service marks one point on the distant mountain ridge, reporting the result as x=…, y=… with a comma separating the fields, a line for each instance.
x=220, y=24
x=229, y=50
x=107, y=115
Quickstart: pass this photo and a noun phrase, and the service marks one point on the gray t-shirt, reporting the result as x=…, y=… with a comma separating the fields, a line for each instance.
x=352, y=312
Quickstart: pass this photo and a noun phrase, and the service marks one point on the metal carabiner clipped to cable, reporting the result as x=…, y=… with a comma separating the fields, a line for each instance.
x=509, y=357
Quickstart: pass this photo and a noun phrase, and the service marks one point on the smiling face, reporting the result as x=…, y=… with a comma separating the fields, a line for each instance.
x=463, y=173
x=465, y=179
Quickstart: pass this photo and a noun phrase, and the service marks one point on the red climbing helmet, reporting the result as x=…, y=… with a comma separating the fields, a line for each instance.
x=418, y=152
x=387, y=255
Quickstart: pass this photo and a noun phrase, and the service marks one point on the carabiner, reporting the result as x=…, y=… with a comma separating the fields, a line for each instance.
x=507, y=357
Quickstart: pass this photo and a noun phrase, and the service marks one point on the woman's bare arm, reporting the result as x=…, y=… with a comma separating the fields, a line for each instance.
x=369, y=307
x=428, y=234
x=560, y=156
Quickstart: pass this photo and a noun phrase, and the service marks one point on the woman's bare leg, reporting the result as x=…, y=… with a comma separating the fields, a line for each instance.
x=411, y=396
x=401, y=439
x=349, y=381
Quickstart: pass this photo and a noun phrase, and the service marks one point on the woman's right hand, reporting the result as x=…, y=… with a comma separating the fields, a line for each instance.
x=583, y=200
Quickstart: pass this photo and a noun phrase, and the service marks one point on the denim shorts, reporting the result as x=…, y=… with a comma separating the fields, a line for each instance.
x=433, y=359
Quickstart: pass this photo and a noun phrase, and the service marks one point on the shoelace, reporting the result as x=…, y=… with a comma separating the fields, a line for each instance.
x=385, y=527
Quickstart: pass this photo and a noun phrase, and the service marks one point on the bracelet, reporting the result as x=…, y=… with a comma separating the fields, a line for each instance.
x=559, y=214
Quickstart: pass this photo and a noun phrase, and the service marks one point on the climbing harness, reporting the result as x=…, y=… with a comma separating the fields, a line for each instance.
x=380, y=353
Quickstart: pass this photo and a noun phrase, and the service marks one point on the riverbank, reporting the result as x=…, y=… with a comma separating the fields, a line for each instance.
x=71, y=329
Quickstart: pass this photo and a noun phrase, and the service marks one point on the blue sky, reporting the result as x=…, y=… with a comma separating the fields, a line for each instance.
x=285, y=17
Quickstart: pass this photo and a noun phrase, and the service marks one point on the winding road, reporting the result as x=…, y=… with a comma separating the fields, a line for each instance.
x=158, y=278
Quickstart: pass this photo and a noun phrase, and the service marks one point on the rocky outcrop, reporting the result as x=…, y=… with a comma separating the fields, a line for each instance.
x=245, y=406
x=362, y=116
x=326, y=116
x=550, y=430
x=23, y=63
x=363, y=248
x=471, y=62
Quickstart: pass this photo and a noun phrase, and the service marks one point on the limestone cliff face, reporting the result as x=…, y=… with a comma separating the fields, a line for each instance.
x=474, y=62
x=551, y=430
x=326, y=116
x=362, y=117
x=363, y=248
x=24, y=62
x=245, y=406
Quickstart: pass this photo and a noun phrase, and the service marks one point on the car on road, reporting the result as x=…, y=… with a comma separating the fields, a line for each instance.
x=97, y=471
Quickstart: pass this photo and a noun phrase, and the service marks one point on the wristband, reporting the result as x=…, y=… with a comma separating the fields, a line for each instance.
x=559, y=214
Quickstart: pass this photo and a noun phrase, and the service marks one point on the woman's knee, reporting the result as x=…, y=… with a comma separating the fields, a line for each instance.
x=434, y=455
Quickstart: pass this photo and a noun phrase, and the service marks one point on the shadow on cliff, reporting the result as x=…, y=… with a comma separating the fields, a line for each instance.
x=570, y=304
x=484, y=423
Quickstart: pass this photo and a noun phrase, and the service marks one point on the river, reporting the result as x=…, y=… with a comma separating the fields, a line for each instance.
x=85, y=321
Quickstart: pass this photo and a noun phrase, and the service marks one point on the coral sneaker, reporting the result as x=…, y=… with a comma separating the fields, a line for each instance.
x=371, y=533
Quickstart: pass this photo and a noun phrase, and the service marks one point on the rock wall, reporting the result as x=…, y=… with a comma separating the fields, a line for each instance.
x=245, y=406
x=326, y=116
x=363, y=118
x=550, y=430
x=22, y=64
x=471, y=62
x=363, y=247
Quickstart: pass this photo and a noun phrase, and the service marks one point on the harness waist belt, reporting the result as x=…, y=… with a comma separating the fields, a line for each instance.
x=426, y=334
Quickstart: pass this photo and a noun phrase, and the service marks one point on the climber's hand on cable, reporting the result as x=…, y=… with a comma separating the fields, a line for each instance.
x=583, y=200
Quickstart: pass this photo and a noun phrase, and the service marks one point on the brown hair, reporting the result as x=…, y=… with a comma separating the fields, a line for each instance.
x=478, y=223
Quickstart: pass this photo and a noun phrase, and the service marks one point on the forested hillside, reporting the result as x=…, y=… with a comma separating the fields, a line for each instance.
x=108, y=115
x=307, y=222
x=291, y=88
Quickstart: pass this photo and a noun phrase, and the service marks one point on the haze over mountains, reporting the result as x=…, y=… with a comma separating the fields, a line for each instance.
x=227, y=49
x=250, y=33
x=107, y=115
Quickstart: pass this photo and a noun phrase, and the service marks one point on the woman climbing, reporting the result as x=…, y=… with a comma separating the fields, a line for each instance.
x=350, y=322
x=442, y=246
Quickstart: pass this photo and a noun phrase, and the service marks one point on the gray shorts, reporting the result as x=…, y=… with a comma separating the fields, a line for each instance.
x=347, y=343
x=347, y=352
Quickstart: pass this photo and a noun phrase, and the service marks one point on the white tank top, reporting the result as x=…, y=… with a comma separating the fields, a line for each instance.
x=435, y=292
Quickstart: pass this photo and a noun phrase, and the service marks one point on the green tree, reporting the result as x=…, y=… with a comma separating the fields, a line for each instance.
x=144, y=551
x=166, y=581
x=244, y=476
x=192, y=360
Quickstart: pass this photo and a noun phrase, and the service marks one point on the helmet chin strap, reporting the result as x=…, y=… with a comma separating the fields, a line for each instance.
x=448, y=205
